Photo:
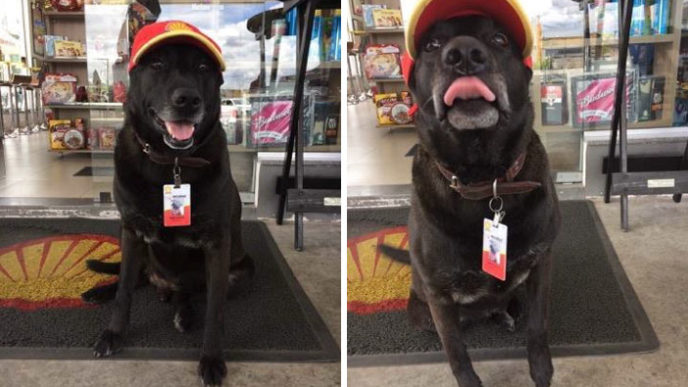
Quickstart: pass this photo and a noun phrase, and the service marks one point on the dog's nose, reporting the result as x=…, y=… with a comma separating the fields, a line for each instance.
x=466, y=56
x=186, y=98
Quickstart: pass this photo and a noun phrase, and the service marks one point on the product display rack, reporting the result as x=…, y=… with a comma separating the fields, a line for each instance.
x=666, y=61
x=390, y=35
x=73, y=25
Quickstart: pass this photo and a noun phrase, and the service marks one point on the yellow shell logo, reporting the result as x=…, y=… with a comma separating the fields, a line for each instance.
x=177, y=26
x=51, y=272
x=376, y=283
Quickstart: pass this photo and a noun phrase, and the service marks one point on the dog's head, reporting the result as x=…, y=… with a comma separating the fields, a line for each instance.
x=174, y=97
x=175, y=75
x=470, y=75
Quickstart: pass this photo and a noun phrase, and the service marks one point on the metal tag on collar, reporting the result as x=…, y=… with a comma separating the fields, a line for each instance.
x=496, y=205
x=146, y=148
x=177, y=171
x=454, y=182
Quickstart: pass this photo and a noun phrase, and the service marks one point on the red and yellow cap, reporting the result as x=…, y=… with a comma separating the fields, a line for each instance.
x=508, y=13
x=173, y=31
x=426, y=13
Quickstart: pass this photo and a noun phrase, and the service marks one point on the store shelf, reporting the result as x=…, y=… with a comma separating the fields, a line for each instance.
x=80, y=59
x=331, y=65
x=388, y=80
x=88, y=106
x=558, y=129
x=391, y=30
x=405, y=126
x=609, y=42
x=311, y=148
x=95, y=151
x=64, y=15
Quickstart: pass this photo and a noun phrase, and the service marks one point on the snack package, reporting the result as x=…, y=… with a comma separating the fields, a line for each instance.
x=393, y=108
x=68, y=49
x=381, y=61
x=50, y=44
x=91, y=138
x=387, y=18
x=384, y=104
x=107, y=138
x=74, y=139
x=119, y=92
x=368, y=13
x=57, y=130
x=68, y=5
x=59, y=89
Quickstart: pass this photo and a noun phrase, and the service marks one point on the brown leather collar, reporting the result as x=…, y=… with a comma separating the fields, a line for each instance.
x=159, y=158
x=484, y=189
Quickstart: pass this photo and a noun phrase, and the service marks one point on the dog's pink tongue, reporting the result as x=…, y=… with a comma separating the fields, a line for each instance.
x=180, y=130
x=468, y=88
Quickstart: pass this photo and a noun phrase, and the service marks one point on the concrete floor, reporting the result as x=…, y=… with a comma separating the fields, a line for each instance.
x=653, y=255
x=318, y=271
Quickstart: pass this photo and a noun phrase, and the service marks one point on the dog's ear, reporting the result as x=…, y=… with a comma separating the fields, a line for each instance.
x=407, y=69
x=529, y=73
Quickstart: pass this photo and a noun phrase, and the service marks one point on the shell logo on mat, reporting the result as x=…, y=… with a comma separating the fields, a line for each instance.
x=376, y=283
x=51, y=272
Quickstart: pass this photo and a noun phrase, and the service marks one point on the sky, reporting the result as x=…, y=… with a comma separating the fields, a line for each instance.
x=558, y=17
x=224, y=23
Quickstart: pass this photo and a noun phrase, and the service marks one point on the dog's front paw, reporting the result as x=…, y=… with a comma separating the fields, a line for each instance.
x=541, y=369
x=108, y=343
x=212, y=370
x=468, y=379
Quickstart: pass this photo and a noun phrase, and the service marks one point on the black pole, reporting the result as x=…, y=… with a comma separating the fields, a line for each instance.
x=626, y=12
x=683, y=166
x=286, y=167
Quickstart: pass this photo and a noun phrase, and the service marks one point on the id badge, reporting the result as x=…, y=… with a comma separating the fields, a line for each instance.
x=176, y=205
x=494, y=249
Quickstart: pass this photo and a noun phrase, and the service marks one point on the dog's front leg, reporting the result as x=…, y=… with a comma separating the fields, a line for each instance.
x=212, y=367
x=133, y=253
x=539, y=357
x=446, y=318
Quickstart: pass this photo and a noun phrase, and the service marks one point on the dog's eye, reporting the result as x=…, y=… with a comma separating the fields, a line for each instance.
x=157, y=65
x=433, y=45
x=500, y=39
x=203, y=67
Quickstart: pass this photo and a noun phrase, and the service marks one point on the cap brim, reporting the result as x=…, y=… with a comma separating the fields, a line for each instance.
x=507, y=13
x=186, y=36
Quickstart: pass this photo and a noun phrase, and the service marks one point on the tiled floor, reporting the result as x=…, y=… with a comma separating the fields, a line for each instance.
x=376, y=156
x=28, y=169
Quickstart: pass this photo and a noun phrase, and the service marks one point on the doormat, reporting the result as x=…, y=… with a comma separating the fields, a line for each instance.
x=43, y=273
x=594, y=309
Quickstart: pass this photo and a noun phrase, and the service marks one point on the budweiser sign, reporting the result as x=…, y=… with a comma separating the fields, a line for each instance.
x=595, y=101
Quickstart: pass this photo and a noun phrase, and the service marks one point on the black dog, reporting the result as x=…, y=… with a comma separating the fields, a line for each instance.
x=172, y=128
x=475, y=125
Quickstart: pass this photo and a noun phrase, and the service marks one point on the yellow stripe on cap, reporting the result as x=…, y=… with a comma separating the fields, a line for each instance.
x=421, y=6
x=181, y=33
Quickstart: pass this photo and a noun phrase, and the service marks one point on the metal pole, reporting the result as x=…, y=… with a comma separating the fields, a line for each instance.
x=26, y=108
x=625, y=12
x=286, y=167
x=2, y=117
x=621, y=96
x=684, y=166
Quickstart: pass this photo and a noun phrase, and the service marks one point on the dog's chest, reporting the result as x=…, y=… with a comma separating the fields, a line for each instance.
x=468, y=287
